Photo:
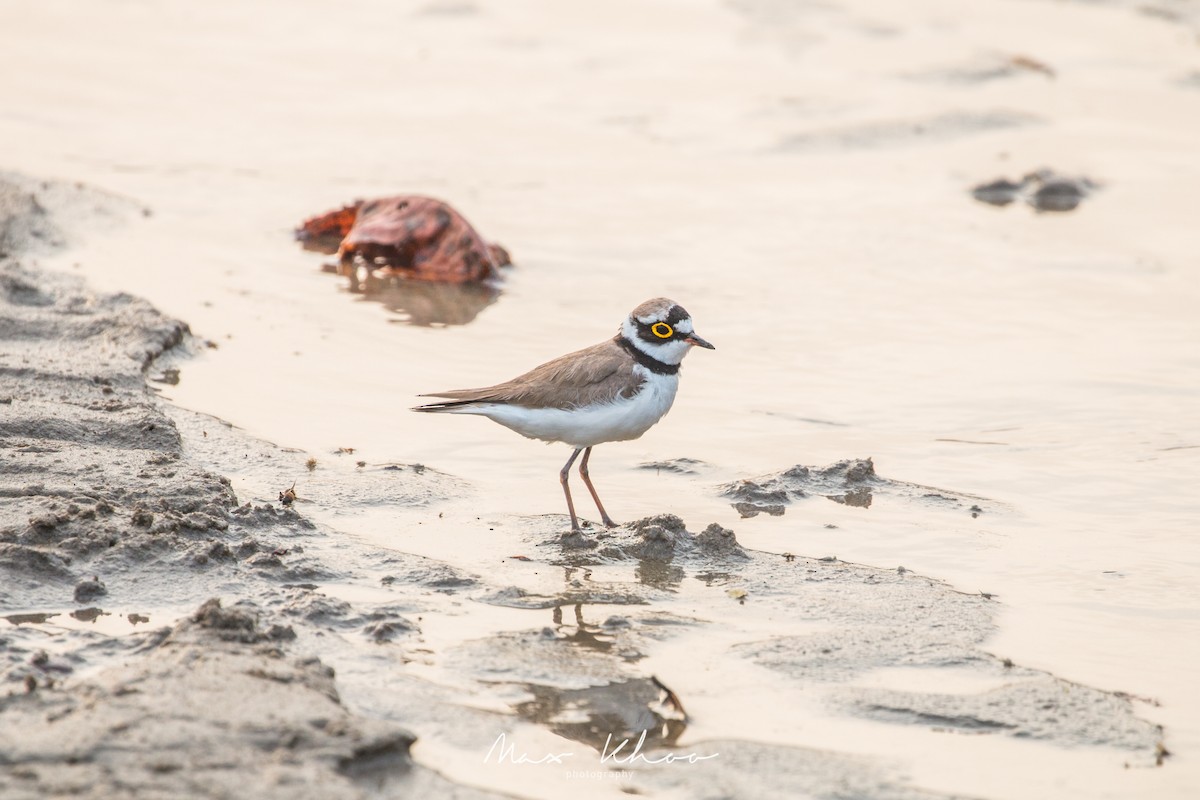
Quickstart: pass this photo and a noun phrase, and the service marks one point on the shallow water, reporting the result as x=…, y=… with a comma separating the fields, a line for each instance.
x=797, y=176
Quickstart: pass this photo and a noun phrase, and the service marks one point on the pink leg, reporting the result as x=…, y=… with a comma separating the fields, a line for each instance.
x=583, y=473
x=563, y=476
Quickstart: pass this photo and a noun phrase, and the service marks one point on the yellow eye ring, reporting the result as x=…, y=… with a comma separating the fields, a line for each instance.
x=662, y=330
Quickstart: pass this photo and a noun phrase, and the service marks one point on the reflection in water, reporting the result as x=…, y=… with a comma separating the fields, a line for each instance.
x=571, y=571
x=859, y=498
x=29, y=619
x=89, y=614
x=659, y=574
x=588, y=636
x=710, y=578
x=424, y=303
x=326, y=243
x=604, y=716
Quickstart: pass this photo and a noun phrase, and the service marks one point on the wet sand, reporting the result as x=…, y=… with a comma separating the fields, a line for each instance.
x=799, y=176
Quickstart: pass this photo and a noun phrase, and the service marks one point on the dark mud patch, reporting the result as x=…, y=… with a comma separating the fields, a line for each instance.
x=678, y=466
x=852, y=482
x=871, y=619
x=1039, y=706
x=1042, y=190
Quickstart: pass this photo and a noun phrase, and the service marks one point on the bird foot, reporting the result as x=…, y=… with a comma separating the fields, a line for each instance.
x=577, y=540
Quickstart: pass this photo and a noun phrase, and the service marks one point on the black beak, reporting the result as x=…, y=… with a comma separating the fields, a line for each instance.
x=692, y=338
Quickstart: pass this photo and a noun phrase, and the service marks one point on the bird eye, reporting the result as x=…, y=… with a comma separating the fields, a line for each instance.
x=662, y=330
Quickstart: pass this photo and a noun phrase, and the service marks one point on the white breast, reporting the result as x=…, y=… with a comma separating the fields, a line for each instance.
x=618, y=421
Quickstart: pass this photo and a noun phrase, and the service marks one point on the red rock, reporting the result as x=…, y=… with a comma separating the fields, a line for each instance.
x=410, y=236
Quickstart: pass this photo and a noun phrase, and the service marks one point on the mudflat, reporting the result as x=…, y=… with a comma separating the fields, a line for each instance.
x=164, y=638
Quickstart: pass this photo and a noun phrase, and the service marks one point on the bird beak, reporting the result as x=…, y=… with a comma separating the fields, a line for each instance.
x=692, y=338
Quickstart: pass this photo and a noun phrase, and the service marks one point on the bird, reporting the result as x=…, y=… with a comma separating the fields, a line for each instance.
x=610, y=392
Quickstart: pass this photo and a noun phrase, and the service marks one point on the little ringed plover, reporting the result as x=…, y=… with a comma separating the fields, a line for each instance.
x=610, y=392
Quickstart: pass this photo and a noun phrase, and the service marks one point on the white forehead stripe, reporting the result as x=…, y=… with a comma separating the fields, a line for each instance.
x=660, y=315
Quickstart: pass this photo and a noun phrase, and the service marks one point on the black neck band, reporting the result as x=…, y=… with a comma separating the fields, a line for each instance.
x=649, y=362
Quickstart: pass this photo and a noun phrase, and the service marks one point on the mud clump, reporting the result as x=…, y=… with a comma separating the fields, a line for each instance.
x=850, y=482
x=25, y=565
x=772, y=493
x=717, y=541
x=88, y=590
x=389, y=630
x=760, y=495
x=657, y=537
x=24, y=224
x=238, y=624
x=656, y=542
x=749, y=510
x=576, y=540
x=668, y=522
x=317, y=608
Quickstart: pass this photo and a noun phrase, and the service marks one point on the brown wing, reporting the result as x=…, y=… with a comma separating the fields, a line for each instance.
x=596, y=374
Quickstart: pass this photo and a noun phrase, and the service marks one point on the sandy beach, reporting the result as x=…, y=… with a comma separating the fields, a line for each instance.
x=922, y=526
